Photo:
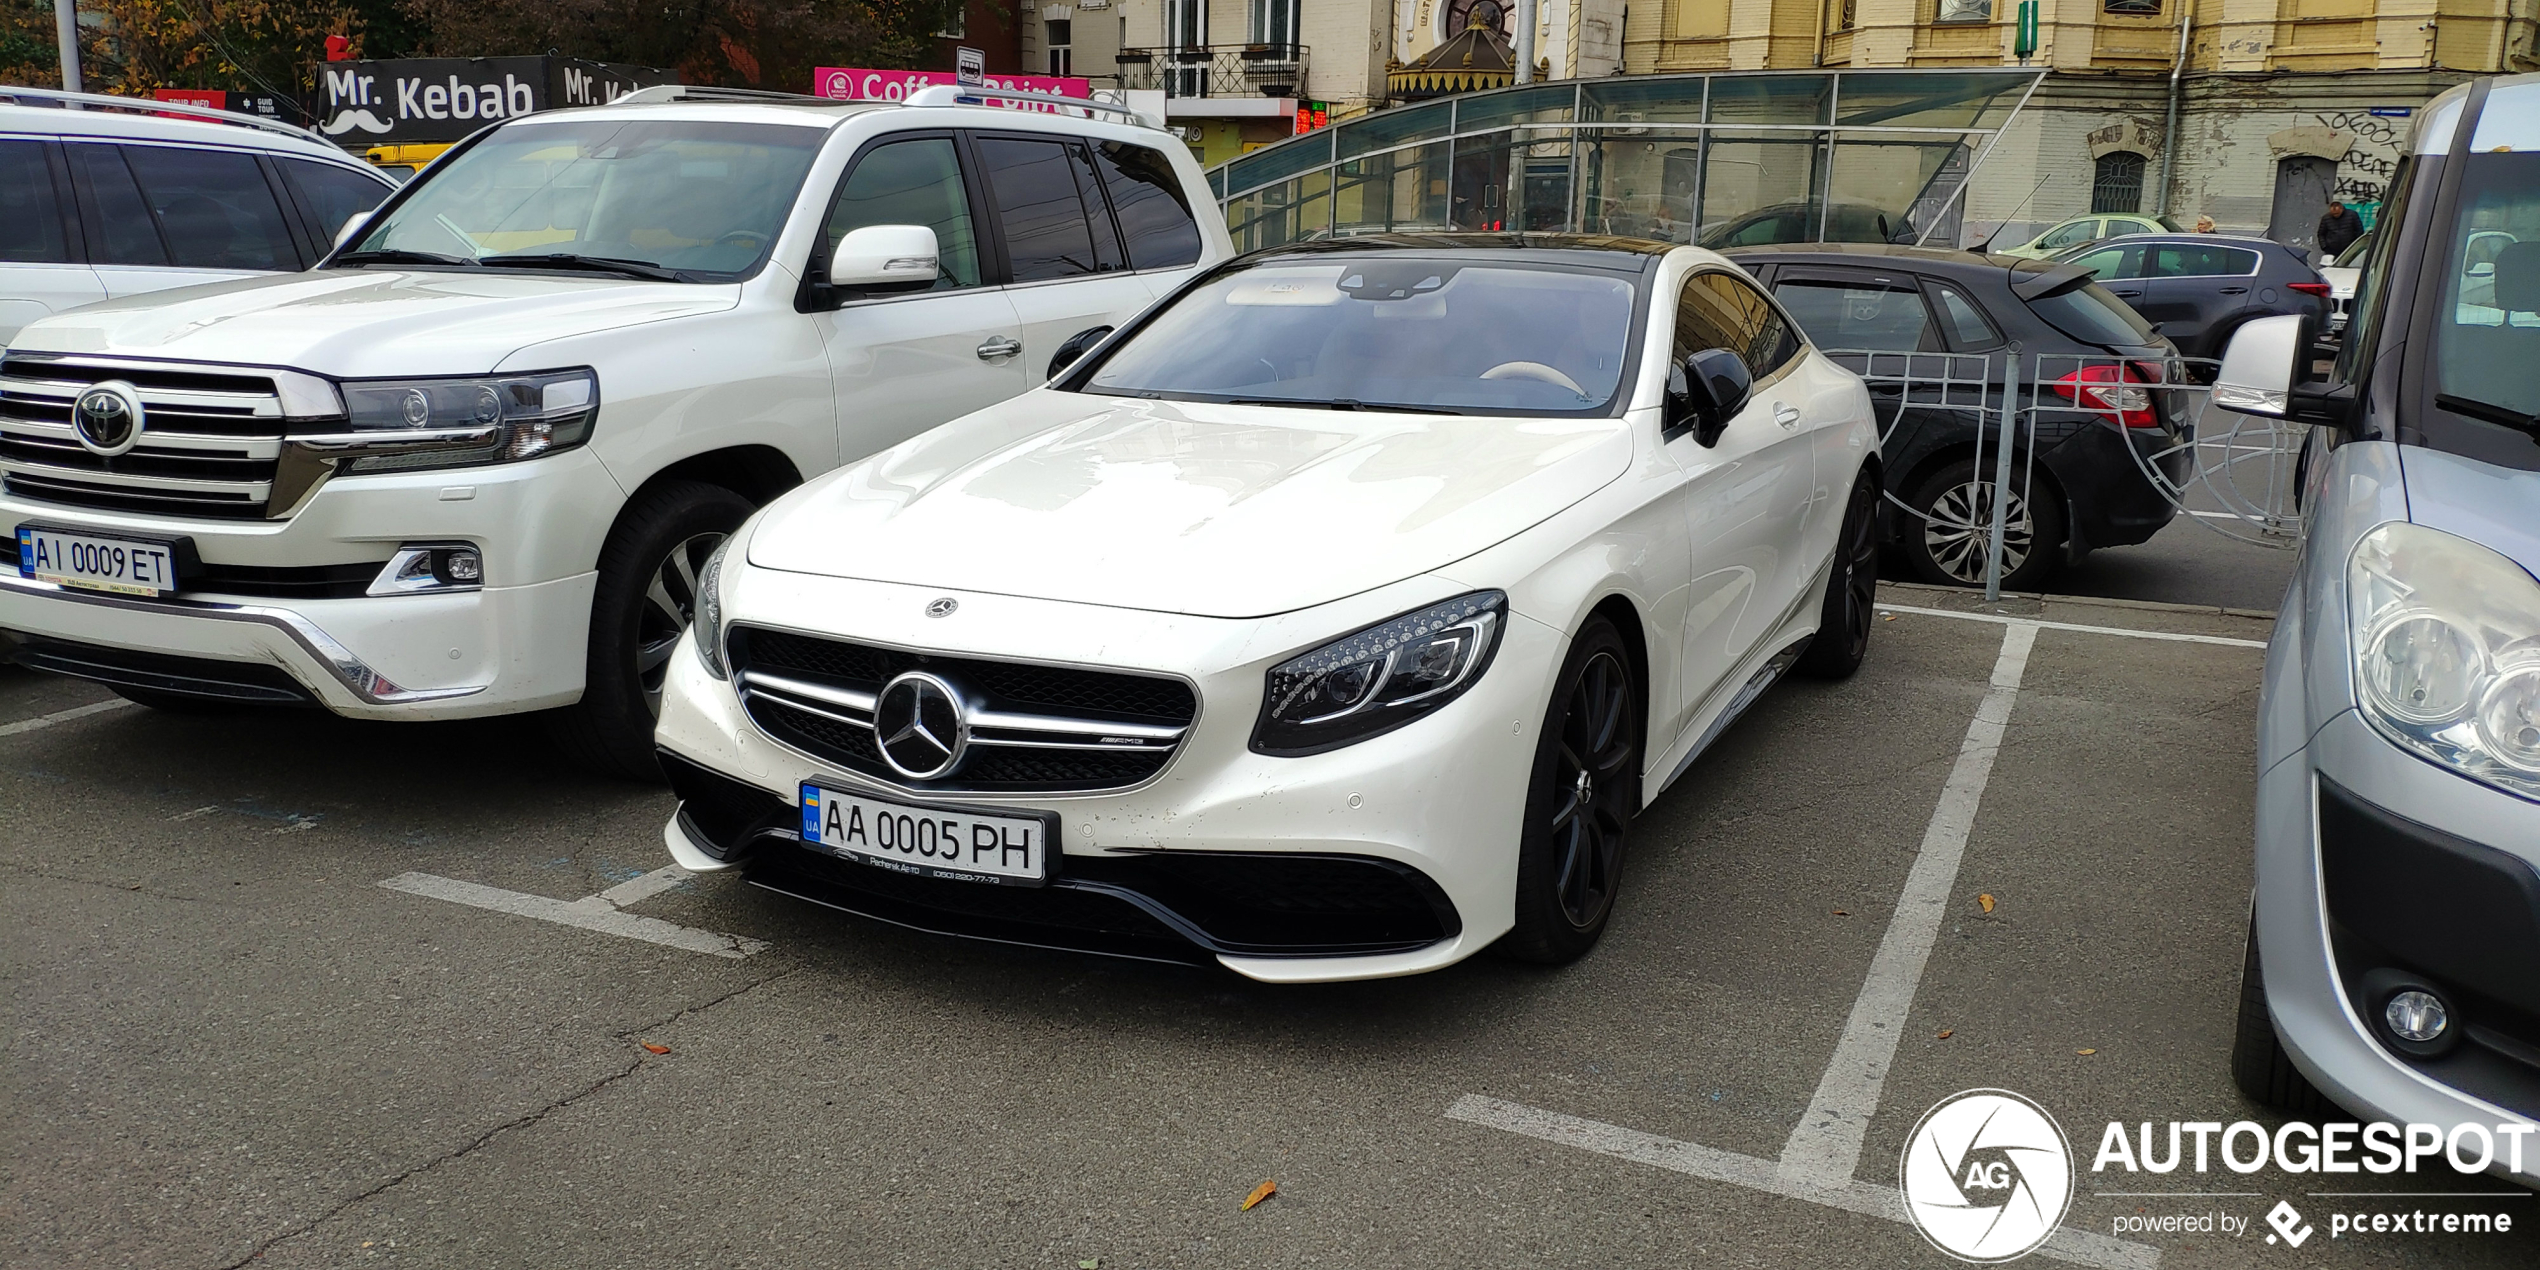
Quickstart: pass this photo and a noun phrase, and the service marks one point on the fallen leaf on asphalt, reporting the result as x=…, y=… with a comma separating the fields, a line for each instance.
x=1259, y=1193
x=1089, y=1263
x=1986, y=902
x=1840, y=913
x=2085, y=1051
x=1945, y=1032
x=658, y=1049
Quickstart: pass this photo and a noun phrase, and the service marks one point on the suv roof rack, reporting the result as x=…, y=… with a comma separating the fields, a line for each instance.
x=965, y=95
x=13, y=94
x=660, y=93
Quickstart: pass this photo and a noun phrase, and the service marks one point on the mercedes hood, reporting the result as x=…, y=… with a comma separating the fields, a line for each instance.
x=1186, y=507
x=354, y=323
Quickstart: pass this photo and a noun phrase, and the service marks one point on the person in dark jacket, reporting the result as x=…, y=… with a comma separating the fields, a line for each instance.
x=2339, y=228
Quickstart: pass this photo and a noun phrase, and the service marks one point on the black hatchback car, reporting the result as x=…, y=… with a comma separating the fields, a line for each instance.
x=2196, y=289
x=2091, y=490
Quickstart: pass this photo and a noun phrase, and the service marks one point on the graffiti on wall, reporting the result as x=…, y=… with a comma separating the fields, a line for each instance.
x=2365, y=169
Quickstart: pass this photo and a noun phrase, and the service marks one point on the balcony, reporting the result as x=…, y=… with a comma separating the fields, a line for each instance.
x=1217, y=70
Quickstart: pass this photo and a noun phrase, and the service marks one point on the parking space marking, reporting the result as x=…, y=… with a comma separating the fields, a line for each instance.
x=1826, y=1145
x=2042, y=624
x=61, y=716
x=2080, y=1247
x=591, y=912
x=647, y=886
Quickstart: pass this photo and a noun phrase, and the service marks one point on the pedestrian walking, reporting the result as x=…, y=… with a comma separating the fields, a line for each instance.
x=2339, y=228
x=2205, y=224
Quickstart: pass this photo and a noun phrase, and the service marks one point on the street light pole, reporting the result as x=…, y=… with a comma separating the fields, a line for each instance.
x=66, y=28
x=1525, y=46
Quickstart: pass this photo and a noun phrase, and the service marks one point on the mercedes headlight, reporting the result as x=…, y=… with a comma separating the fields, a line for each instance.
x=396, y=425
x=708, y=626
x=2447, y=652
x=1381, y=678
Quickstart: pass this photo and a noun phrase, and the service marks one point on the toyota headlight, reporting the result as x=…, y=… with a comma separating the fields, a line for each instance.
x=403, y=424
x=708, y=627
x=1381, y=678
x=2447, y=652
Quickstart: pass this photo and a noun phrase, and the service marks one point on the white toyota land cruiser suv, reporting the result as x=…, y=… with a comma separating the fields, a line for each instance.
x=470, y=463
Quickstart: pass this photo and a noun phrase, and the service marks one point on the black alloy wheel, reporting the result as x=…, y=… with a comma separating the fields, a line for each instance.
x=646, y=597
x=1950, y=530
x=1580, y=804
x=1852, y=588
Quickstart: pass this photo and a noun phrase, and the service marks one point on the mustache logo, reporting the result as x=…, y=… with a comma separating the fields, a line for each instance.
x=347, y=120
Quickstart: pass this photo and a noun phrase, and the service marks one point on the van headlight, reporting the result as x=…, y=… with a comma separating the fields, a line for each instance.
x=2447, y=652
x=1374, y=681
x=707, y=628
x=394, y=425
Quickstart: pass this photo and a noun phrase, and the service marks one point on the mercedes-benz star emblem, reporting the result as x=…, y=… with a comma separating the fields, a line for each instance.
x=920, y=726
x=107, y=417
x=942, y=607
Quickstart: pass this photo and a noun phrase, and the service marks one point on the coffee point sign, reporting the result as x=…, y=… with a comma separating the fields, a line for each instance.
x=856, y=83
x=390, y=101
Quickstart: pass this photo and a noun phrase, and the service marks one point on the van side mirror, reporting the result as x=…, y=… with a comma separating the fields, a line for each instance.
x=2261, y=365
x=352, y=225
x=1705, y=391
x=874, y=260
x=2518, y=278
x=1075, y=347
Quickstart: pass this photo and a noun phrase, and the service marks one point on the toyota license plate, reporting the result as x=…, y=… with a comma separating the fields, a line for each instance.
x=939, y=842
x=130, y=566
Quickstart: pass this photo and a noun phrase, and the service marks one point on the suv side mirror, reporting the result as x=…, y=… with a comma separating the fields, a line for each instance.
x=874, y=260
x=1075, y=347
x=1705, y=391
x=352, y=225
x=2261, y=365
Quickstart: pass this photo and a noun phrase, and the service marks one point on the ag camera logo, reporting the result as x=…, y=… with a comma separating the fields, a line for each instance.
x=1987, y=1175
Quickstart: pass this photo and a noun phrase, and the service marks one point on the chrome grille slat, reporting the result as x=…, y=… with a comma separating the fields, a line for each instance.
x=209, y=446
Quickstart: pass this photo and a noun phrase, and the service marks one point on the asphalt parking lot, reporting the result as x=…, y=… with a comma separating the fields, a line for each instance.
x=231, y=1044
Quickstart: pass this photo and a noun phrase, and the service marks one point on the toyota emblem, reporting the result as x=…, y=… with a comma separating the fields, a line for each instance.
x=920, y=726
x=107, y=417
x=942, y=607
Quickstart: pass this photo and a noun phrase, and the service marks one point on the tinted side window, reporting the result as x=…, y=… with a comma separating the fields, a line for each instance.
x=1968, y=328
x=1040, y=208
x=127, y=233
x=1847, y=315
x=1719, y=311
x=2175, y=260
x=1148, y=200
x=214, y=207
x=2113, y=262
x=30, y=210
x=914, y=182
x=332, y=195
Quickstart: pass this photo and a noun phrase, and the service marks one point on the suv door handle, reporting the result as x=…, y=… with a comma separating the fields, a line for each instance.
x=2135, y=292
x=2235, y=291
x=1785, y=415
x=998, y=346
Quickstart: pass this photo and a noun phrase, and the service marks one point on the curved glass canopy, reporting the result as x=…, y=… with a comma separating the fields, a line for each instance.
x=1723, y=159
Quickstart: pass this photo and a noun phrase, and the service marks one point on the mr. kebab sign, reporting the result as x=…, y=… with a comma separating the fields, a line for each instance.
x=395, y=100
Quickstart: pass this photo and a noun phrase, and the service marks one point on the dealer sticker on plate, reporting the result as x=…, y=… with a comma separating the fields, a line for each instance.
x=941, y=842
x=125, y=565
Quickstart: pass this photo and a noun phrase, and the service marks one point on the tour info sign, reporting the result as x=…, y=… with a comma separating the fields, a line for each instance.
x=855, y=83
x=392, y=101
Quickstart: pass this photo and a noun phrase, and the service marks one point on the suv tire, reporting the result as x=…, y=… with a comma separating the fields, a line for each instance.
x=2259, y=1064
x=1570, y=849
x=1953, y=495
x=645, y=598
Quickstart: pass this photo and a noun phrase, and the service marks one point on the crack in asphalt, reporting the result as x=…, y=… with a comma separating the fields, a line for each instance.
x=120, y=888
x=638, y=1064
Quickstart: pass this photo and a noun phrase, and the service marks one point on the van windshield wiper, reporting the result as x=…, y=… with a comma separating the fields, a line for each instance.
x=1339, y=403
x=399, y=256
x=2488, y=412
x=592, y=264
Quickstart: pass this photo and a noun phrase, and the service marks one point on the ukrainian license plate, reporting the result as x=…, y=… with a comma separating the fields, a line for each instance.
x=940, y=842
x=131, y=566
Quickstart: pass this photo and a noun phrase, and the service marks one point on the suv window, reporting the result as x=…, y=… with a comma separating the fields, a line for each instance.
x=30, y=213
x=127, y=234
x=1040, y=188
x=214, y=208
x=1718, y=311
x=913, y=182
x=330, y=195
x=2182, y=260
x=1968, y=328
x=1869, y=315
x=1147, y=198
x=2113, y=262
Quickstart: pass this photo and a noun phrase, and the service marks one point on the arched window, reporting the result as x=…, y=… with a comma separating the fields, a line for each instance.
x=2117, y=185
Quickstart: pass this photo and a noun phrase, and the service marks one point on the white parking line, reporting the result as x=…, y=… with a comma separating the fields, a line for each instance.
x=1825, y=1148
x=2080, y=1247
x=647, y=886
x=2040, y=624
x=591, y=912
x=1823, y=1152
x=60, y=716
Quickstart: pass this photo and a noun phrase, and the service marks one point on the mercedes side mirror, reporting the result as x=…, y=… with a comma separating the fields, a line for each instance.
x=1075, y=347
x=1705, y=391
x=874, y=260
x=352, y=226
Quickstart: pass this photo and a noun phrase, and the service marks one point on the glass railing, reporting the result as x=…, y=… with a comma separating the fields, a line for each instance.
x=1725, y=159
